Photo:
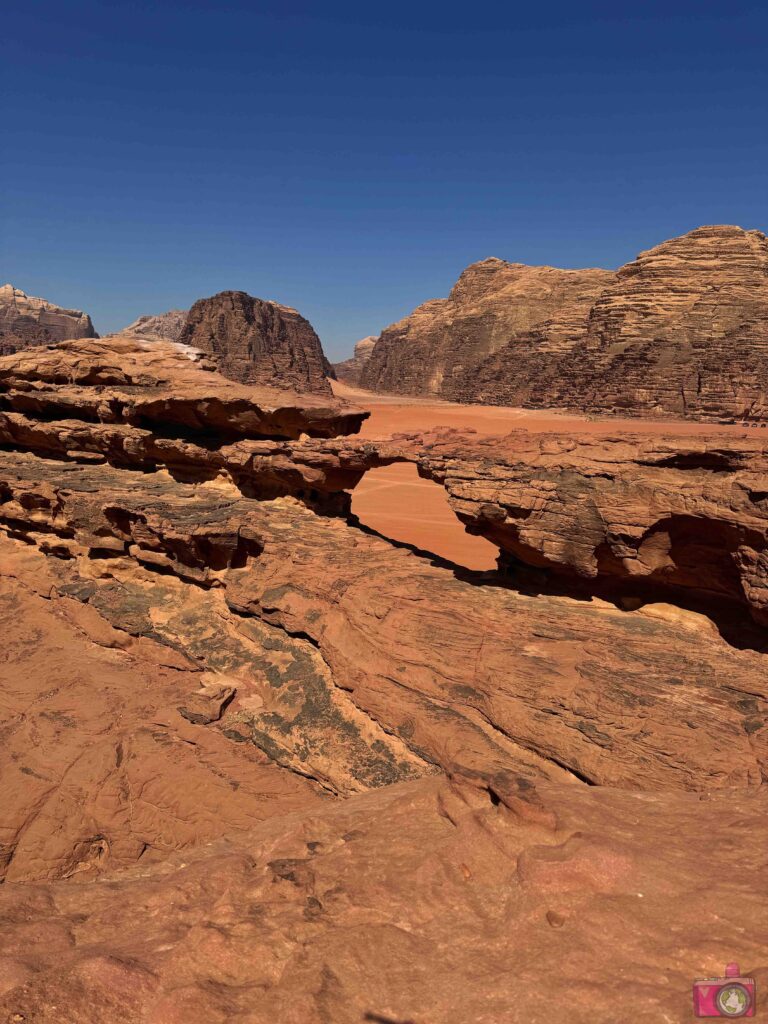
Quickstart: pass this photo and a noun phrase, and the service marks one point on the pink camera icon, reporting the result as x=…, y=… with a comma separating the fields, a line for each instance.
x=731, y=996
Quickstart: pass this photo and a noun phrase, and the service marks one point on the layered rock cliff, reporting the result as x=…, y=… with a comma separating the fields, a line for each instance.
x=26, y=321
x=682, y=331
x=258, y=342
x=434, y=350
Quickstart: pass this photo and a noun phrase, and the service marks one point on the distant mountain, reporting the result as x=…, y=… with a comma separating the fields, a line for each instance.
x=256, y=341
x=26, y=321
x=682, y=330
x=164, y=325
x=349, y=370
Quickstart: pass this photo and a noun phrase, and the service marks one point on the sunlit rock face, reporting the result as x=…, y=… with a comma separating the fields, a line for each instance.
x=163, y=325
x=436, y=349
x=26, y=321
x=681, y=331
x=349, y=371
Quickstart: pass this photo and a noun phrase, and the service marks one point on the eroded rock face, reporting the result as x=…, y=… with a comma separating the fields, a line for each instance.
x=350, y=370
x=681, y=331
x=164, y=325
x=165, y=387
x=433, y=351
x=629, y=516
x=557, y=701
x=657, y=515
x=260, y=764
x=26, y=321
x=258, y=342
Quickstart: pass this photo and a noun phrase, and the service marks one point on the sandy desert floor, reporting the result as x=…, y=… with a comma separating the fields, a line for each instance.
x=396, y=502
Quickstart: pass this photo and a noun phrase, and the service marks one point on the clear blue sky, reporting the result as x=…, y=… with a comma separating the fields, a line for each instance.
x=350, y=159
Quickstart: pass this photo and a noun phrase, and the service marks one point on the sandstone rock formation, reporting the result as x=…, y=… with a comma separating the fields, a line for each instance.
x=258, y=342
x=434, y=350
x=350, y=370
x=165, y=387
x=261, y=764
x=682, y=331
x=685, y=517
x=164, y=325
x=425, y=901
x=26, y=321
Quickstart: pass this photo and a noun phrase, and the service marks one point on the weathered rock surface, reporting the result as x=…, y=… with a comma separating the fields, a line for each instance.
x=258, y=763
x=433, y=351
x=552, y=686
x=162, y=386
x=637, y=516
x=422, y=902
x=675, y=515
x=350, y=370
x=164, y=325
x=681, y=331
x=26, y=321
x=258, y=342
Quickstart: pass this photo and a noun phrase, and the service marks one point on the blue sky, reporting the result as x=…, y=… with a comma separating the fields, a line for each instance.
x=349, y=159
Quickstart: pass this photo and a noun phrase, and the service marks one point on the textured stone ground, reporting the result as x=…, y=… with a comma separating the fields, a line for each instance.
x=258, y=763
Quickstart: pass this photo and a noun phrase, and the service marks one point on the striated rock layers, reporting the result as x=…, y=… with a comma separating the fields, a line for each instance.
x=26, y=321
x=682, y=331
x=436, y=348
x=260, y=764
x=258, y=342
x=162, y=386
x=164, y=325
x=350, y=370
x=685, y=517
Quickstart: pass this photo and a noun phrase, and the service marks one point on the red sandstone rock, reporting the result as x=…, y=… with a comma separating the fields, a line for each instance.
x=26, y=321
x=424, y=902
x=260, y=764
x=134, y=380
x=681, y=331
x=653, y=517
x=670, y=515
x=434, y=350
x=258, y=342
x=552, y=687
